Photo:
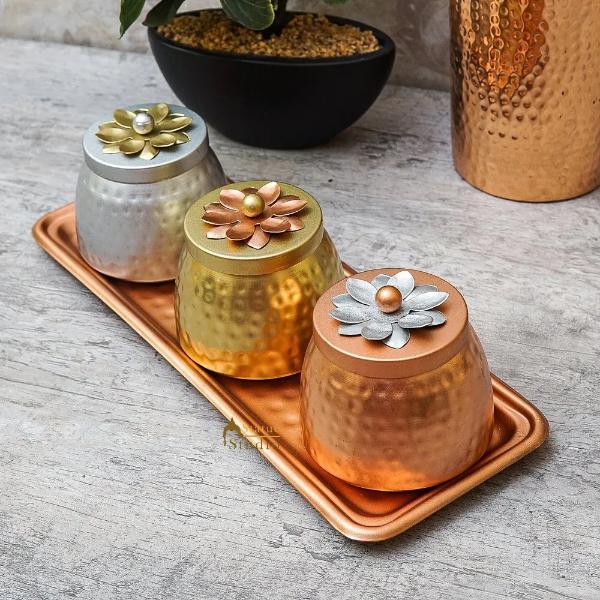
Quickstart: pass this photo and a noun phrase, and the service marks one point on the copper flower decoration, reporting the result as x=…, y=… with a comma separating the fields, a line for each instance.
x=144, y=131
x=387, y=308
x=252, y=215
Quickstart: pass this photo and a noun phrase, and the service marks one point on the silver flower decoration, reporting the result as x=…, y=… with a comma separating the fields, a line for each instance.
x=387, y=308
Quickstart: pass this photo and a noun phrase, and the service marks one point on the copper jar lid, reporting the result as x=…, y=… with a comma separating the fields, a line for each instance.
x=427, y=349
x=235, y=258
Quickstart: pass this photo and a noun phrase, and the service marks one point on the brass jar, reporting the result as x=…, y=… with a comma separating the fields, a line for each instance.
x=525, y=96
x=244, y=312
x=396, y=419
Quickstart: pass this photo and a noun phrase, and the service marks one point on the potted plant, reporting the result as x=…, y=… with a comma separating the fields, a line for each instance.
x=263, y=75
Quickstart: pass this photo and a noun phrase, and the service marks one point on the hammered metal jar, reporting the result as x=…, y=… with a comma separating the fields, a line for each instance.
x=526, y=96
x=247, y=312
x=395, y=418
x=130, y=210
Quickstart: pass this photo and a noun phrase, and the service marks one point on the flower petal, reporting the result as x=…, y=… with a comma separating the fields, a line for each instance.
x=218, y=233
x=113, y=135
x=131, y=146
x=361, y=290
x=163, y=140
x=259, y=239
x=392, y=317
x=425, y=301
x=181, y=136
x=275, y=225
x=269, y=192
x=376, y=330
x=350, y=328
x=288, y=207
x=421, y=289
x=296, y=223
x=404, y=281
x=159, y=112
x=380, y=281
x=108, y=125
x=345, y=300
x=111, y=149
x=241, y=231
x=399, y=337
x=219, y=208
x=231, y=198
x=351, y=314
x=149, y=151
x=174, y=124
x=415, y=321
x=439, y=318
x=220, y=217
x=123, y=117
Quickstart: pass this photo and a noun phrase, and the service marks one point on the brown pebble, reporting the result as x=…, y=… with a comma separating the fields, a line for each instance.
x=305, y=36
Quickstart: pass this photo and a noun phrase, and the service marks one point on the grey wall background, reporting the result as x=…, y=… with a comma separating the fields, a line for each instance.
x=419, y=27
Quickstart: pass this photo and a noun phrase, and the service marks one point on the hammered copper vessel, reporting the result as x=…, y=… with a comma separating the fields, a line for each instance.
x=526, y=96
x=396, y=419
x=519, y=427
x=247, y=312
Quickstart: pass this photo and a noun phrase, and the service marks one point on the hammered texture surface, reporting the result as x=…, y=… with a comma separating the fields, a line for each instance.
x=252, y=327
x=135, y=231
x=397, y=433
x=526, y=96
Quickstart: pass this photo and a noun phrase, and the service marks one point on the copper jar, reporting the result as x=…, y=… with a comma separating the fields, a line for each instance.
x=247, y=312
x=526, y=96
x=396, y=419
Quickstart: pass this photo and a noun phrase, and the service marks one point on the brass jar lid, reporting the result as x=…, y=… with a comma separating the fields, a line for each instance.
x=237, y=257
x=427, y=349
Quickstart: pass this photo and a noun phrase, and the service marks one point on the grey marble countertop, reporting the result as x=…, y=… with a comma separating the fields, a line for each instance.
x=113, y=481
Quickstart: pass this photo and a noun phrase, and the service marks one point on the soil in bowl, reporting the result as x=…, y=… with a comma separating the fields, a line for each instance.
x=304, y=36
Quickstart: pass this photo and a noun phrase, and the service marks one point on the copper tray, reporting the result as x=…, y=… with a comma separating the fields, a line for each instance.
x=357, y=513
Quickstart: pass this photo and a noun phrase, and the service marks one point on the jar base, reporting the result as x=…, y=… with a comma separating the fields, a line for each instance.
x=233, y=366
x=498, y=190
x=386, y=486
x=124, y=277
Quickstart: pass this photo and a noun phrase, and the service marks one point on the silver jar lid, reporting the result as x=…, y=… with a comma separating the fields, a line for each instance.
x=168, y=163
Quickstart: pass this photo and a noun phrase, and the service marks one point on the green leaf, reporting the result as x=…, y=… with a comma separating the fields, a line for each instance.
x=253, y=14
x=130, y=11
x=163, y=12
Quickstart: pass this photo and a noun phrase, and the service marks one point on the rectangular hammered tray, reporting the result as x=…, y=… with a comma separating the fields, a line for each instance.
x=357, y=513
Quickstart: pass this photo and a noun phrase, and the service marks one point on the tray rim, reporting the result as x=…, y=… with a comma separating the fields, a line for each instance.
x=316, y=493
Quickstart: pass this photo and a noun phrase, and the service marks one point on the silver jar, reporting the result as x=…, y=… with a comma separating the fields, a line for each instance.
x=130, y=210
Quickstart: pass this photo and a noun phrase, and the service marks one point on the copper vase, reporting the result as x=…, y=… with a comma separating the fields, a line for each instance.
x=526, y=96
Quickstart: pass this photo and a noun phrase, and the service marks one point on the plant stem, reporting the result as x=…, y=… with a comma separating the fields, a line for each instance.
x=281, y=18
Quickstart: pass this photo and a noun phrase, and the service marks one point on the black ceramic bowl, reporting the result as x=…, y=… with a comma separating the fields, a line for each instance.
x=275, y=102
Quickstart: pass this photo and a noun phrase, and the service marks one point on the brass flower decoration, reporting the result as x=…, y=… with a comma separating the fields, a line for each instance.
x=252, y=215
x=144, y=131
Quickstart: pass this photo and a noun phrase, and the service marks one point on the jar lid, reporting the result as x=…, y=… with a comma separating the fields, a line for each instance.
x=169, y=162
x=237, y=257
x=428, y=346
